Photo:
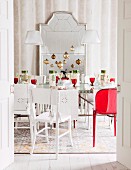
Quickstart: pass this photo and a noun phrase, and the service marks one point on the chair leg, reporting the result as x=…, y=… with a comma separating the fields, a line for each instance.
x=94, y=127
x=115, y=125
x=46, y=132
x=88, y=118
x=33, y=146
x=69, y=128
x=31, y=131
x=109, y=122
x=57, y=140
x=34, y=139
x=54, y=125
x=38, y=125
x=16, y=123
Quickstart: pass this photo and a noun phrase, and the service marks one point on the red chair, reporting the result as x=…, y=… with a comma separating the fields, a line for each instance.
x=105, y=104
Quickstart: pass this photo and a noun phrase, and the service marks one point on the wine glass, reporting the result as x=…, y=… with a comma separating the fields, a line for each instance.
x=60, y=76
x=67, y=76
x=33, y=81
x=74, y=81
x=57, y=78
x=96, y=79
x=92, y=80
x=16, y=80
x=112, y=80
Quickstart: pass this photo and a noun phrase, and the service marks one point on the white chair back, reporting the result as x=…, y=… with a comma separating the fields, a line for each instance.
x=64, y=102
x=68, y=103
x=20, y=97
x=41, y=96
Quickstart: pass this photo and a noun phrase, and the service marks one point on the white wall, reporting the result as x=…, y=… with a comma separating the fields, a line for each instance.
x=98, y=14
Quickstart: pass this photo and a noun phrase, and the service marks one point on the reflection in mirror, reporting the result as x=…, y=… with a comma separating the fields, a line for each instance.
x=62, y=34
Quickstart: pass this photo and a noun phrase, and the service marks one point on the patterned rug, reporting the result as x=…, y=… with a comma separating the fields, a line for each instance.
x=82, y=139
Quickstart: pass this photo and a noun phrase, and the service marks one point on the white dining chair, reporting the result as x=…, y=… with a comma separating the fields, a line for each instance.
x=22, y=106
x=62, y=107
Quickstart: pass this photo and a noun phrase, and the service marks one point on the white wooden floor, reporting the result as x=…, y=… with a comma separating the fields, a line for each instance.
x=66, y=162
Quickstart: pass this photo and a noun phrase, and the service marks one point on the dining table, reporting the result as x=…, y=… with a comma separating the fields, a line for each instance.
x=86, y=96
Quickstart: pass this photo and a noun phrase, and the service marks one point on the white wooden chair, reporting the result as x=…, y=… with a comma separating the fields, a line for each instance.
x=62, y=102
x=22, y=105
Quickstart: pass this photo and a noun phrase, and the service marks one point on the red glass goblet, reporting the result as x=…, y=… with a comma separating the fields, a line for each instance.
x=112, y=79
x=33, y=81
x=74, y=81
x=92, y=79
x=57, y=78
x=15, y=80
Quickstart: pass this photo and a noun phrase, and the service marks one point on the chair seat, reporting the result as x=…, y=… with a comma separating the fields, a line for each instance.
x=21, y=112
x=103, y=113
x=46, y=117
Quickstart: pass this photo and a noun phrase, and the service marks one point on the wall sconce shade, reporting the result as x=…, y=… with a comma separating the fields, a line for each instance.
x=33, y=37
x=90, y=36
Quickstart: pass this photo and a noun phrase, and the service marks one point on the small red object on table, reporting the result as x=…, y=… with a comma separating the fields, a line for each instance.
x=112, y=79
x=15, y=80
x=92, y=79
x=74, y=81
x=33, y=81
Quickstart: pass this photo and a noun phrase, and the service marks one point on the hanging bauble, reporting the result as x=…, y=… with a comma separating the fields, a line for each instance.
x=53, y=56
x=78, y=61
x=51, y=65
x=72, y=48
x=56, y=62
x=66, y=55
x=60, y=64
x=46, y=61
x=72, y=65
x=64, y=61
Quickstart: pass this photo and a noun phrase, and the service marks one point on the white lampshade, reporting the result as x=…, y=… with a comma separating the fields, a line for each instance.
x=90, y=36
x=33, y=37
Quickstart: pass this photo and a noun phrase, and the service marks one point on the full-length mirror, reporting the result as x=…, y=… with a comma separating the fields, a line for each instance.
x=62, y=35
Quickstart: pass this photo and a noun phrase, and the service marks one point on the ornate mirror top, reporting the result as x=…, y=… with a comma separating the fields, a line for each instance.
x=61, y=32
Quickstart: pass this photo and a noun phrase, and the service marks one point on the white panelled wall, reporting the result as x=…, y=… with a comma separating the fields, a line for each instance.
x=98, y=14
